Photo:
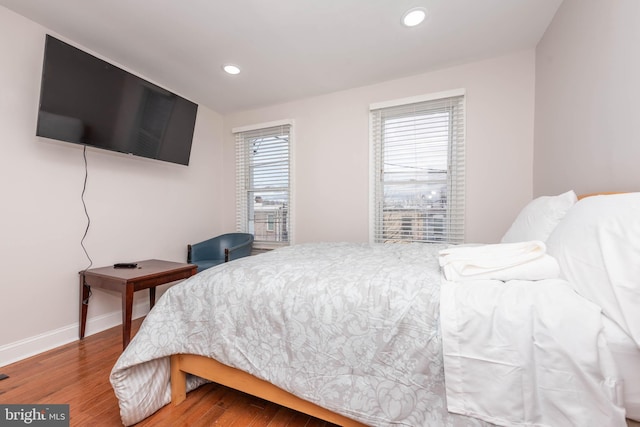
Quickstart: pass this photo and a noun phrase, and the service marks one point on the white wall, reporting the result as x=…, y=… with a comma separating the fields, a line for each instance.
x=587, y=91
x=331, y=175
x=139, y=208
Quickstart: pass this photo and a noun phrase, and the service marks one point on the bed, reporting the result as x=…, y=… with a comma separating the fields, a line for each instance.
x=375, y=335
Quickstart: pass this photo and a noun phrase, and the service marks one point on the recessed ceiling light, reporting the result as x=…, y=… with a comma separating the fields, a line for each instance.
x=231, y=69
x=414, y=16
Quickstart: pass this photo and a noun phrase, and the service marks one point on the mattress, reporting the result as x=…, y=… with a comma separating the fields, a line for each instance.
x=627, y=356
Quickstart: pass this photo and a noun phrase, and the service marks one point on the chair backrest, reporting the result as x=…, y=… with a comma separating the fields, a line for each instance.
x=230, y=240
x=216, y=247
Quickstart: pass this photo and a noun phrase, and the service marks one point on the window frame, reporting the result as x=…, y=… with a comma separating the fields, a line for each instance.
x=455, y=197
x=244, y=172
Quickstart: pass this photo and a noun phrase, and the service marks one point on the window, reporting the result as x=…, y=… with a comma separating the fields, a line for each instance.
x=418, y=170
x=263, y=195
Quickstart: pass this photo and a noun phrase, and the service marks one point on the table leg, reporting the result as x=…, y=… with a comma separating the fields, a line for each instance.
x=84, y=304
x=152, y=297
x=127, y=312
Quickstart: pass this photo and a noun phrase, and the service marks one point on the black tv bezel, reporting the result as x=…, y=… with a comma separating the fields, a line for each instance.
x=188, y=135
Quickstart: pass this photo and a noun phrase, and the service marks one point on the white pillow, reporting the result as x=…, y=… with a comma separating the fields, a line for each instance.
x=597, y=245
x=537, y=220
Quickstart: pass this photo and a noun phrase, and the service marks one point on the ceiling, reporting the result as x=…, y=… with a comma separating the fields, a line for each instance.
x=287, y=49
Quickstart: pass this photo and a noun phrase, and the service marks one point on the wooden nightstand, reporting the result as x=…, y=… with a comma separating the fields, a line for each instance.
x=147, y=275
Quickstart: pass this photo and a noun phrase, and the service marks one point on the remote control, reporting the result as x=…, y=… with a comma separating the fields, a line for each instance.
x=125, y=265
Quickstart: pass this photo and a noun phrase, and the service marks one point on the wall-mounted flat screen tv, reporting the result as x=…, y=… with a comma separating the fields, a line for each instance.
x=88, y=101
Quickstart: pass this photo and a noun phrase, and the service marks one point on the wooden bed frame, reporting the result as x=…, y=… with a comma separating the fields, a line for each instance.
x=210, y=369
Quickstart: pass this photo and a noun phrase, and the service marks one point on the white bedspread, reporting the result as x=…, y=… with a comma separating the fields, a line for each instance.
x=353, y=328
x=539, y=341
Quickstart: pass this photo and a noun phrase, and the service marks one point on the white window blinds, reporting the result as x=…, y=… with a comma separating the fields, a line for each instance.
x=418, y=177
x=263, y=184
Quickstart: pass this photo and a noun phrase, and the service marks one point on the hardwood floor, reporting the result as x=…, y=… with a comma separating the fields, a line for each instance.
x=78, y=374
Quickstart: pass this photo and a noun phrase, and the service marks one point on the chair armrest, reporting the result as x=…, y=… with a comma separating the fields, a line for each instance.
x=238, y=251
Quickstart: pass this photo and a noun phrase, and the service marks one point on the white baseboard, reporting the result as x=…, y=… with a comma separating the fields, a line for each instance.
x=31, y=346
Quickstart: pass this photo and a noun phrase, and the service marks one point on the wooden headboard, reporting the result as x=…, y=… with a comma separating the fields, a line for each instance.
x=602, y=193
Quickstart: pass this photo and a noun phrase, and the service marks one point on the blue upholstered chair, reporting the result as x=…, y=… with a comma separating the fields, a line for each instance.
x=219, y=249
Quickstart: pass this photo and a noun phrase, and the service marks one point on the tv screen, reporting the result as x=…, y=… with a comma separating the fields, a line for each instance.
x=88, y=101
